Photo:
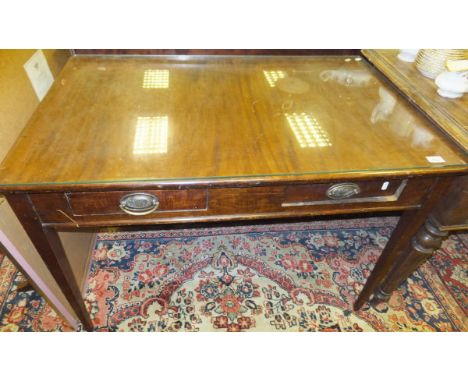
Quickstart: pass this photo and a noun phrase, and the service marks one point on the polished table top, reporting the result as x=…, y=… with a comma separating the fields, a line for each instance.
x=129, y=119
x=450, y=114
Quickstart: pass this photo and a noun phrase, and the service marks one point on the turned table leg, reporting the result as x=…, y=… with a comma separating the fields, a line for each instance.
x=393, y=259
x=426, y=241
x=49, y=246
x=450, y=214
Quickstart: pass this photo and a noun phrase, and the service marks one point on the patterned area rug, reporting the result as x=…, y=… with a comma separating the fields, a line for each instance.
x=290, y=277
x=451, y=263
x=24, y=310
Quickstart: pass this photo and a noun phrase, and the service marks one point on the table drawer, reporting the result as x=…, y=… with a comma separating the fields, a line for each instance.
x=317, y=197
x=344, y=192
x=103, y=208
x=112, y=202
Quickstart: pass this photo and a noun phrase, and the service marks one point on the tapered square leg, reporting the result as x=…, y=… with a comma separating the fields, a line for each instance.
x=49, y=246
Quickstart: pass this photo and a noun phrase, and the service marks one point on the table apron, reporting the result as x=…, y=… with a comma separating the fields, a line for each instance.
x=94, y=209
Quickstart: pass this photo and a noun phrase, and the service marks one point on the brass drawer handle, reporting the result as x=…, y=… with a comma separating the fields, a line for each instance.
x=343, y=191
x=139, y=203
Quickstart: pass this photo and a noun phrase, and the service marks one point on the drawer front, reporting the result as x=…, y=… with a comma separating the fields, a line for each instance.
x=345, y=192
x=109, y=203
x=299, y=199
x=232, y=203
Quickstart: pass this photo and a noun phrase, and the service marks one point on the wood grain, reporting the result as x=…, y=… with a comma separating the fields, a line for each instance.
x=451, y=213
x=224, y=120
x=451, y=115
x=223, y=204
x=107, y=203
x=282, y=52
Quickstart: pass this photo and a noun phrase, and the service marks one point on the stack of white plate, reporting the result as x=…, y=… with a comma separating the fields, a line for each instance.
x=452, y=84
x=431, y=62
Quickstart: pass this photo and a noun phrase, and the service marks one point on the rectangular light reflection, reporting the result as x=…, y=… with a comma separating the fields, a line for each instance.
x=273, y=75
x=156, y=79
x=151, y=135
x=307, y=130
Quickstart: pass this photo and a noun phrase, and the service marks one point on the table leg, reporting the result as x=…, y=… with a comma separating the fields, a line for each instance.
x=397, y=259
x=48, y=244
x=426, y=241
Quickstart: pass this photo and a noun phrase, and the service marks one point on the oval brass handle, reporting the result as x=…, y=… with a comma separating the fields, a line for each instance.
x=139, y=203
x=343, y=190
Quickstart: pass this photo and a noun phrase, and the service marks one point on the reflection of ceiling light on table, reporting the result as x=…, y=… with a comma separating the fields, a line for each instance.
x=273, y=75
x=151, y=135
x=307, y=130
x=156, y=79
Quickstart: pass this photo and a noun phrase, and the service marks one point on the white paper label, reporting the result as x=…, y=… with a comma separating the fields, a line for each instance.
x=385, y=186
x=39, y=74
x=435, y=159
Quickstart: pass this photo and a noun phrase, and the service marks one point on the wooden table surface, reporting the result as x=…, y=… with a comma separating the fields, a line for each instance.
x=126, y=119
x=451, y=115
